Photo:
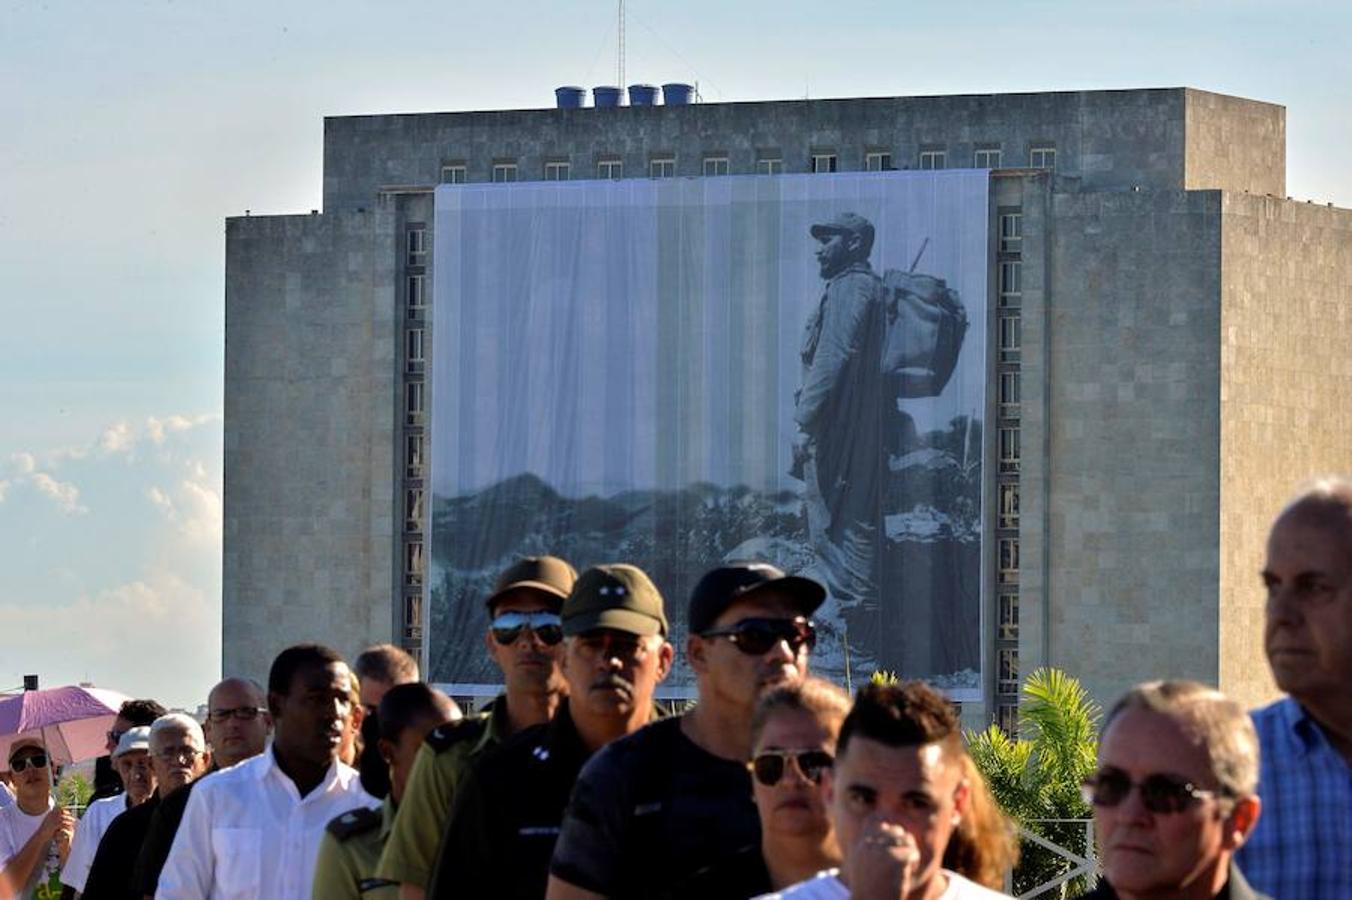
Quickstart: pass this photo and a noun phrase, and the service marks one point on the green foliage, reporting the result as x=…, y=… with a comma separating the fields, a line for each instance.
x=883, y=676
x=1038, y=775
x=73, y=791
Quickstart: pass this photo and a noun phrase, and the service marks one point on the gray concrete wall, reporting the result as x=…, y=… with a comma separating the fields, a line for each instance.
x=309, y=414
x=1130, y=434
x=1286, y=384
x=1105, y=140
x=1235, y=144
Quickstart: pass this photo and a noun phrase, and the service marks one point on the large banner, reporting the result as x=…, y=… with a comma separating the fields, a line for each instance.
x=681, y=372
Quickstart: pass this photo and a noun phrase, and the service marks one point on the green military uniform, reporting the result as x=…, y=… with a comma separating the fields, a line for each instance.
x=411, y=852
x=348, y=853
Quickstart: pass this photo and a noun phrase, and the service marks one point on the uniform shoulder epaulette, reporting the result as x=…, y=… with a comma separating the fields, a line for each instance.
x=354, y=822
x=444, y=737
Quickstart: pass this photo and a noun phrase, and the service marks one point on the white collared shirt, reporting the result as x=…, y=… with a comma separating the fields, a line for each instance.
x=93, y=824
x=247, y=832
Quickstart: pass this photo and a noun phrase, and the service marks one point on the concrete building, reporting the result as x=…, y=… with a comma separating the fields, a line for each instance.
x=1171, y=344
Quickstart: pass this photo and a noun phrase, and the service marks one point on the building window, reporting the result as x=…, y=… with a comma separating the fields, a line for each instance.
x=1010, y=384
x=1009, y=560
x=878, y=161
x=1009, y=451
x=413, y=618
x=1009, y=506
x=1009, y=617
x=715, y=165
x=504, y=172
x=413, y=349
x=1011, y=284
x=416, y=292
x=557, y=171
x=417, y=246
x=413, y=509
x=823, y=162
x=1011, y=339
x=610, y=168
x=1042, y=157
x=453, y=174
x=662, y=167
x=413, y=564
x=770, y=164
x=1011, y=232
x=413, y=403
x=1007, y=717
x=933, y=159
x=413, y=456
x=986, y=158
x=1007, y=679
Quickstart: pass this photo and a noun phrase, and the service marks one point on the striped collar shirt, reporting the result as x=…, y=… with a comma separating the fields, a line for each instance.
x=1302, y=845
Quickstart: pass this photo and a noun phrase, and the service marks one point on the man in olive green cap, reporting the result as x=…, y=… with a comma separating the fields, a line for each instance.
x=509, y=807
x=524, y=640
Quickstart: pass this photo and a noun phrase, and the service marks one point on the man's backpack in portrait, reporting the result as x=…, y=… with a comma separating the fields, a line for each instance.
x=926, y=324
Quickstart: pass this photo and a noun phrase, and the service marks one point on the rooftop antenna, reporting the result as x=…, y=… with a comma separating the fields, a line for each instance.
x=619, y=82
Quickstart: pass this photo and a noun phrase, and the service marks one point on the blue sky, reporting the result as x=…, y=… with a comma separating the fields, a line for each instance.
x=132, y=129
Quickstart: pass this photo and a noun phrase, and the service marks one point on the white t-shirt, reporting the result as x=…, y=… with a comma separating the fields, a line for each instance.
x=825, y=885
x=16, y=827
x=6, y=798
x=90, y=830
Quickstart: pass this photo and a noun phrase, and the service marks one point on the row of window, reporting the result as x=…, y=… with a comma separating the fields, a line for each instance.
x=415, y=450
x=664, y=165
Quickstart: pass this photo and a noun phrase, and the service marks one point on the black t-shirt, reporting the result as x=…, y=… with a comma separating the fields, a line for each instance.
x=649, y=811
x=110, y=875
x=742, y=875
x=160, y=838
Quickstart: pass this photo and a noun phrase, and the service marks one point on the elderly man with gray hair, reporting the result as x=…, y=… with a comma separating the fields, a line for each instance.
x=178, y=756
x=1174, y=795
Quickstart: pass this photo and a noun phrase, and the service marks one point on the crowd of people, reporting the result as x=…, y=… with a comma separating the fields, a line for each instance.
x=575, y=783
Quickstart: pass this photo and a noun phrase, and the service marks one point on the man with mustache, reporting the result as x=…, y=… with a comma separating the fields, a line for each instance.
x=509, y=808
x=1302, y=846
x=676, y=797
x=523, y=640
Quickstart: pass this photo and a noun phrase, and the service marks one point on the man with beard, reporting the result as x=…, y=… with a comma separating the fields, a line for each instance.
x=509, y=807
x=674, y=798
x=841, y=412
x=523, y=640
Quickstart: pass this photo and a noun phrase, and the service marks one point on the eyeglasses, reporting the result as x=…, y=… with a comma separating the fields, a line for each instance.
x=546, y=626
x=1160, y=793
x=769, y=767
x=174, y=754
x=32, y=761
x=242, y=713
x=114, y=736
x=756, y=637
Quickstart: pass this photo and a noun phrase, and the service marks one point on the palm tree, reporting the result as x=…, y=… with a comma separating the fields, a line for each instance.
x=1036, y=777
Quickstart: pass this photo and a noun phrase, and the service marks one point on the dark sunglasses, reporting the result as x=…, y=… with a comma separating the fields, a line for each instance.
x=507, y=627
x=769, y=767
x=32, y=761
x=755, y=637
x=114, y=736
x=1160, y=793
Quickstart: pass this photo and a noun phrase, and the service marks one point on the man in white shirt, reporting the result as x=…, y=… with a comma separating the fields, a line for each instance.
x=131, y=761
x=34, y=832
x=254, y=830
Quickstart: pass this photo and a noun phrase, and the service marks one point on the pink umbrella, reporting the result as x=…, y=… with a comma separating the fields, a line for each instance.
x=72, y=721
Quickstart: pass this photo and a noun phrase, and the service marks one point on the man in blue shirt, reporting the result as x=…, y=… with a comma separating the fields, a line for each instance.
x=1302, y=846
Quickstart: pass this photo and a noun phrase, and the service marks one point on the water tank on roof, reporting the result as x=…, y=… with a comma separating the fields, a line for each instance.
x=677, y=94
x=642, y=95
x=569, y=97
x=606, y=96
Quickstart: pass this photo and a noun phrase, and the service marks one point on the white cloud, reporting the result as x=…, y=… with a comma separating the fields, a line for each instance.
x=66, y=495
x=24, y=463
x=4, y=486
x=195, y=505
x=158, y=429
x=117, y=438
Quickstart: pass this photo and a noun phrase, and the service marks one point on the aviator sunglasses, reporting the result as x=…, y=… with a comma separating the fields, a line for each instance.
x=755, y=637
x=769, y=767
x=507, y=627
x=34, y=760
x=1160, y=793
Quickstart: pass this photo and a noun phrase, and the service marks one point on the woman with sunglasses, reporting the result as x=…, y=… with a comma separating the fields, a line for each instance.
x=793, y=738
x=30, y=828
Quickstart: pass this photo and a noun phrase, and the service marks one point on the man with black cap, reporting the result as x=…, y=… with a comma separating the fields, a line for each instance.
x=523, y=639
x=509, y=807
x=841, y=411
x=651, y=809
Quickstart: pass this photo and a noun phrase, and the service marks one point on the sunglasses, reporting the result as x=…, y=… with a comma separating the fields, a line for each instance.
x=1160, y=793
x=242, y=713
x=32, y=761
x=769, y=767
x=114, y=736
x=756, y=637
x=546, y=626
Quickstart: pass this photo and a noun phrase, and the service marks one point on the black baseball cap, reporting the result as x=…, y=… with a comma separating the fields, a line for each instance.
x=722, y=587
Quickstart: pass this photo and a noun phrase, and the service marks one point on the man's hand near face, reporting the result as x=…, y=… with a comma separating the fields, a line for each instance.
x=882, y=862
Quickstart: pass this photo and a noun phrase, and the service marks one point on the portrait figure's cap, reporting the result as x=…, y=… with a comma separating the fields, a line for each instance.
x=547, y=574
x=26, y=742
x=846, y=223
x=618, y=596
x=137, y=738
x=722, y=587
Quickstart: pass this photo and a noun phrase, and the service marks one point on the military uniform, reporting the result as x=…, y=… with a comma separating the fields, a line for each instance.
x=348, y=853
x=442, y=761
